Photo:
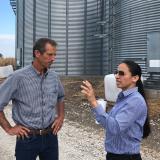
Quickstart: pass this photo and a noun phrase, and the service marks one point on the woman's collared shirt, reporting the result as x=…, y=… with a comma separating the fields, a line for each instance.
x=124, y=123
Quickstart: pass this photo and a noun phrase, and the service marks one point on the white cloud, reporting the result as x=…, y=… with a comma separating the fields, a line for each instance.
x=7, y=45
x=7, y=37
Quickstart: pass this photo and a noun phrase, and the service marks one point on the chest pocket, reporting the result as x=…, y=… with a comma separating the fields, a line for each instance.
x=52, y=95
x=53, y=89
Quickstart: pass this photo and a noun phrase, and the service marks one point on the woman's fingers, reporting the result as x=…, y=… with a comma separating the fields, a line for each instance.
x=84, y=92
x=85, y=88
x=87, y=84
x=88, y=91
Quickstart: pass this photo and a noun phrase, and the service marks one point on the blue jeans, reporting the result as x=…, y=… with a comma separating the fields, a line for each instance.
x=112, y=156
x=44, y=146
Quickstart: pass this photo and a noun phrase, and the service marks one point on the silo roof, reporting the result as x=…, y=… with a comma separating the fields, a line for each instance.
x=13, y=4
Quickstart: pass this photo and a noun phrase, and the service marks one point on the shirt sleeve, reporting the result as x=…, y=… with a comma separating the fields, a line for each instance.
x=60, y=91
x=124, y=118
x=7, y=90
x=100, y=115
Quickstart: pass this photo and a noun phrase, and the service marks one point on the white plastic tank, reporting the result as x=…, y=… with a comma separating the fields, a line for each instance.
x=5, y=71
x=111, y=90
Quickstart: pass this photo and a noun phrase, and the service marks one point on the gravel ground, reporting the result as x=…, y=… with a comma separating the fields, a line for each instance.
x=76, y=142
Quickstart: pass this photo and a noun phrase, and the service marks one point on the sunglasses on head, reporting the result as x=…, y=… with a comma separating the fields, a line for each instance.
x=120, y=73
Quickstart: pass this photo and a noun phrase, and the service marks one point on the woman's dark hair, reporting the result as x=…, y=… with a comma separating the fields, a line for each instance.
x=41, y=43
x=135, y=69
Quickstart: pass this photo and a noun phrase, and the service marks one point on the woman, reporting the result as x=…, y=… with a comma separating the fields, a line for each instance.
x=127, y=122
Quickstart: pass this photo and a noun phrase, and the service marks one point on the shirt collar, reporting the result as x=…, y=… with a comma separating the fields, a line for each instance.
x=130, y=91
x=127, y=92
x=37, y=72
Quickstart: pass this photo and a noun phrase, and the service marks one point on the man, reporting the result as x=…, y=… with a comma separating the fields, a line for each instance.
x=37, y=105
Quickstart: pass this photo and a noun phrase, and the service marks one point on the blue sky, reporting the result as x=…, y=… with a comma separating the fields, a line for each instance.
x=7, y=29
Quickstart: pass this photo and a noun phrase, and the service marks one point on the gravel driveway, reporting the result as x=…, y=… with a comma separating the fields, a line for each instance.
x=76, y=143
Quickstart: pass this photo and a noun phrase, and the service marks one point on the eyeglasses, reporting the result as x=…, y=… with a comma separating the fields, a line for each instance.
x=120, y=73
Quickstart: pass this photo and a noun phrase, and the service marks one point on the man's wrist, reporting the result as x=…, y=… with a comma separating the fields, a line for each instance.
x=61, y=116
x=7, y=129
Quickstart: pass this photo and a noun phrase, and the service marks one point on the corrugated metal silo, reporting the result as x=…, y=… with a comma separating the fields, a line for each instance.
x=74, y=24
x=58, y=32
x=134, y=20
x=28, y=26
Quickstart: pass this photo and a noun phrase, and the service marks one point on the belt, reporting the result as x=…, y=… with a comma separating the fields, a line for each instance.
x=40, y=131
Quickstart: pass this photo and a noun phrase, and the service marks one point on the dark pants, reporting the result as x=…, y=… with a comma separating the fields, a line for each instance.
x=44, y=146
x=112, y=156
